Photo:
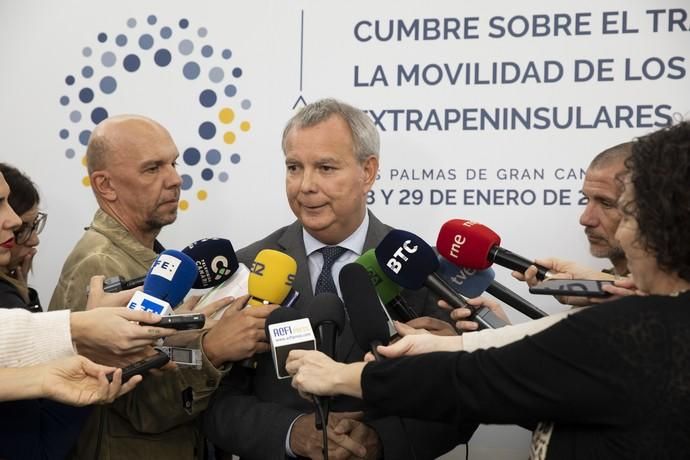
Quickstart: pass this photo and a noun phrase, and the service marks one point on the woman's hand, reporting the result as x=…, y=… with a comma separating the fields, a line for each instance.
x=314, y=373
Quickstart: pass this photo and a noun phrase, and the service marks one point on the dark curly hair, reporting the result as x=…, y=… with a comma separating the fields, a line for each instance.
x=659, y=167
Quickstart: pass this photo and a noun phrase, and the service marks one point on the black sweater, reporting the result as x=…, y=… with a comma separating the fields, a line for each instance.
x=614, y=380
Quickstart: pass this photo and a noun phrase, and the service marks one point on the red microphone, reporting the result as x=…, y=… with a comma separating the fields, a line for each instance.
x=471, y=244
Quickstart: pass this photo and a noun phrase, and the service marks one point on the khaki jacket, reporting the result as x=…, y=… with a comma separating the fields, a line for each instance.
x=158, y=419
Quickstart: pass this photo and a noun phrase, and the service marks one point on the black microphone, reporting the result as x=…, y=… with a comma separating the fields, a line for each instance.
x=327, y=318
x=118, y=283
x=504, y=294
x=367, y=319
x=215, y=259
x=407, y=260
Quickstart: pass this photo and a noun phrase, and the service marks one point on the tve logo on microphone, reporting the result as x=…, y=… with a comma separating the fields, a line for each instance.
x=165, y=266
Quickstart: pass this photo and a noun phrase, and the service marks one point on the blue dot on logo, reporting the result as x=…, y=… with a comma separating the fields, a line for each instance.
x=146, y=41
x=121, y=40
x=86, y=95
x=230, y=90
x=235, y=158
x=162, y=57
x=208, y=98
x=223, y=177
x=108, y=85
x=64, y=100
x=183, y=23
x=64, y=134
x=207, y=130
x=191, y=156
x=69, y=80
x=166, y=32
x=75, y=116
x=207, y=174
x=98, y=115
x=87, y=71
x=151, y=19
x=227, y=54
x=102, y=37
x=84, y=137
x=213, y=157
x=191, y=70
x=131, y=63
x=237, y=72
x=207, y=51
x=187, y=181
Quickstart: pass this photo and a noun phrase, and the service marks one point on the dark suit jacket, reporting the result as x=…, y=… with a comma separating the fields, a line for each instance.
x=252, y=410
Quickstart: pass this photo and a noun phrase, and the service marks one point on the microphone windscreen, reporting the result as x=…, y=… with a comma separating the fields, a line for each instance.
x=367, y=319
x=385, y=287
x=171, y=276
x=326, y=308
x=406, y=259
x=215, y=259
x=281, y=315
x=467, y=243
x=469, y=282
x=271, y=277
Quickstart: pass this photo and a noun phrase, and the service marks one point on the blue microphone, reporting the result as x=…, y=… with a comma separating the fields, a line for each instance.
x=167, y=282
x=215, y=260
x=469, y=282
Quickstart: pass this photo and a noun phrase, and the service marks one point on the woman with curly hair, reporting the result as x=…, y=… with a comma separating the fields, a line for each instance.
x=610, y=382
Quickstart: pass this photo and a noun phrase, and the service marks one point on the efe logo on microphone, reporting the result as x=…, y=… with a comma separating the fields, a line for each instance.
x=165, y=266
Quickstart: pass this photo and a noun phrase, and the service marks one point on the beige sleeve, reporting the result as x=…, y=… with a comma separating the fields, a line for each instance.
x=487, y=338
x=27, y=339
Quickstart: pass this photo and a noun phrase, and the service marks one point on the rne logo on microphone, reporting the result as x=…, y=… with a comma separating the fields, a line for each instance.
x=117, y=60
x=458, y=241
x=165, y=266
x=395, y=264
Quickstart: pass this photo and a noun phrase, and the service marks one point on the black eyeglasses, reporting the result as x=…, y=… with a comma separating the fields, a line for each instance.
x=24, y=232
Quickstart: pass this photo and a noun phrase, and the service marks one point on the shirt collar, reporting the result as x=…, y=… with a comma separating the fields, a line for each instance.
x=354, y=242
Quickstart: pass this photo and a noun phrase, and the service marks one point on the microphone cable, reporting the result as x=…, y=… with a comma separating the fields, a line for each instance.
x=324, y=426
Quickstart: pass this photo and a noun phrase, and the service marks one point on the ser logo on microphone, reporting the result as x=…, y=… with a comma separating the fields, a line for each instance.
x=394, y=264
x=165, y=266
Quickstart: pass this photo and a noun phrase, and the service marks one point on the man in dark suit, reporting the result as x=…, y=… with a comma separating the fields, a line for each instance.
x=331, y=156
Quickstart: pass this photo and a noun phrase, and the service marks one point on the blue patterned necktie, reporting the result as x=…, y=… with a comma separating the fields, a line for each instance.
x=325, y=282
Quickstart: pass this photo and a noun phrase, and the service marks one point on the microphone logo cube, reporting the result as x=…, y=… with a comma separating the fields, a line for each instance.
x=165, y=266
x=145, y=302
x=286, y=336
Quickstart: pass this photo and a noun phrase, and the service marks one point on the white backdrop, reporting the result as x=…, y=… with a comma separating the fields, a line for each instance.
x=450, y=118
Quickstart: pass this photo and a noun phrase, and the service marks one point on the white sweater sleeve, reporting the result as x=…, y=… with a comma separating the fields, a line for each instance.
x=27, y=339
x=487, y=338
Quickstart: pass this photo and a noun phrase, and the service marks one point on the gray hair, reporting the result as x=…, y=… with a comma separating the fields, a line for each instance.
x=617, y=153
x=365, y=137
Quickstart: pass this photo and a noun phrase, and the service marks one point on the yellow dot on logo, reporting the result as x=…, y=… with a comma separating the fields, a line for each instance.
x=226, y=116
x=201, y=195
x=183, y=205
x=86, y=181
x=229, y=137
x=83, y=160
x=245, y=126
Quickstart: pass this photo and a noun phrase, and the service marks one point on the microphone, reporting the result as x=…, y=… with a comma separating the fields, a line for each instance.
x=271, y=277
x=367, y=318
x=327, y=317
x=411, y=263
x=287, y=330
x=118, y=283
x=215, y=260
x=386, y=289
x=167, y=282
x=471, y=283
x=473, y=245
x=504, y=294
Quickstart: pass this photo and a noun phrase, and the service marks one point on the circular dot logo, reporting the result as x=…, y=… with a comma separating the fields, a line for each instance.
x=149, y=43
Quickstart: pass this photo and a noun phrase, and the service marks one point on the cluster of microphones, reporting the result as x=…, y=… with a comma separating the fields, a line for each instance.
x=458, y=268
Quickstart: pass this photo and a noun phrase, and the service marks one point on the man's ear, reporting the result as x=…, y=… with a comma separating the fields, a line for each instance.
x=371, y=170
x=102, y=185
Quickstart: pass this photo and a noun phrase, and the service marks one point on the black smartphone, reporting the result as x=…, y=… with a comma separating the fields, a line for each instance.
x=181, y=322
x=583, y=288
x=156, y=361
